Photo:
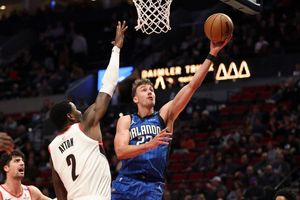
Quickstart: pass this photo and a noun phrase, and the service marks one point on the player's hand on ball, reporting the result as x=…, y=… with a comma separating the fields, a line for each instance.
x=120, y=32
x=215, y=47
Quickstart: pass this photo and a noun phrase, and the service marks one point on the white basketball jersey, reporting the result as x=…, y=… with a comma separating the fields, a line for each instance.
x=83, y=169
x=26, y=195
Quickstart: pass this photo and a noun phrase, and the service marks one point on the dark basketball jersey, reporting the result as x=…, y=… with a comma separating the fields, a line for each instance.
x=151, y=164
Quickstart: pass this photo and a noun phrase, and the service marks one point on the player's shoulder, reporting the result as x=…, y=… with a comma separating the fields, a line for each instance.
x=55, y=142
x=70, y=131
x=32, y=189
x=36, y=192
x=125, y=118
x=55, y=139
x=164, y=110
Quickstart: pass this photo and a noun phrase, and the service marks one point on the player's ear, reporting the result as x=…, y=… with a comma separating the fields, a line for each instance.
x=5, y=168
x=135, y=99
x=70, y=117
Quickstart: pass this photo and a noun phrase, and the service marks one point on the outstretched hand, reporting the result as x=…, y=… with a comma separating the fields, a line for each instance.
x=120, y=31
x=215, y=47
x=6, y=142
x=164, y=137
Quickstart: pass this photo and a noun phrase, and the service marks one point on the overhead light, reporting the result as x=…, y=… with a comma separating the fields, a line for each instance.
x=3, y=7
x=52, y=4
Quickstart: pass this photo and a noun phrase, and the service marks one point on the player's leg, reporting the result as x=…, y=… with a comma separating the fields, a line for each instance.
x=151, y=190
x=124, y=188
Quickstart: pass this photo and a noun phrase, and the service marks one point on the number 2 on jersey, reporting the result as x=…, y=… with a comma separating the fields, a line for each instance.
x=72, y=161
x=144, y=139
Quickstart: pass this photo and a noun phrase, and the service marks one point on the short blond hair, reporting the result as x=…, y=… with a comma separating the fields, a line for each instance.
x=138, y=82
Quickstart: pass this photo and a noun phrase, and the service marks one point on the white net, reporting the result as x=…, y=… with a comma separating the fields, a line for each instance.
x=153, y=15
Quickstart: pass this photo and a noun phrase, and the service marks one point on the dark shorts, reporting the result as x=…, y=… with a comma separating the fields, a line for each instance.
x=127, y=188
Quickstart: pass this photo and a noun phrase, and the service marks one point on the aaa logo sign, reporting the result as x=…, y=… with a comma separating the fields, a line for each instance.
x=233, y=72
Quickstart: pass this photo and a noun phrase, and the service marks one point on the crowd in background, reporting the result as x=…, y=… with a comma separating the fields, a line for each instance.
x=70, y=42
x=246, y=154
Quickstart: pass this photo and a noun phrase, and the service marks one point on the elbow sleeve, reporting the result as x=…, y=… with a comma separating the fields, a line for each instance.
x=111, y=75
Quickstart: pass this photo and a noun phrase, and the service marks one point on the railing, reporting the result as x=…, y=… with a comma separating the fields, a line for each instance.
x=287, y=177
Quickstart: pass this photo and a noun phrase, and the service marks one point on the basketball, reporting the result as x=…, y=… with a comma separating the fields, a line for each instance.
x=218, y=27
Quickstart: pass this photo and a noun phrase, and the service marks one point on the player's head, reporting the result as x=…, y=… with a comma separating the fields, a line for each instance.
x=143, y=93
x=63, y=114
x=285, y=194
x=12, y=164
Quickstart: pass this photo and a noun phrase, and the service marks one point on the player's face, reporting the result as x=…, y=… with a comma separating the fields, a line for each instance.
x=15, y=168
x=145, y=95
x=76, y=115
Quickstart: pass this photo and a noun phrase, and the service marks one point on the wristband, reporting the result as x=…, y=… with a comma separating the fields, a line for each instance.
x=116, y=49
x=211, y=58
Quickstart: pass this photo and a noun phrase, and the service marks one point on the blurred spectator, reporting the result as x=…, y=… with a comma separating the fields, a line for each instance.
x=243, y=163
x=79, y=48
x=261, y=46
x=263, y=162
x=269, y=177
x=237, y=193
x=187, y=143
x=271, y=151
x=216, y=140
x=254, y=191
x=204, y=162
x=228, y=168
x=280, y=166
x=167, y=195
x=296, y=71
x=200, y=197
x=215, y=188
x=204, y=122
x=249, y=174
x=291, y=144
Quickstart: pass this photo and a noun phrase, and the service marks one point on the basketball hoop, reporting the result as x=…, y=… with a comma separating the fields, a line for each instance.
x=153, y=15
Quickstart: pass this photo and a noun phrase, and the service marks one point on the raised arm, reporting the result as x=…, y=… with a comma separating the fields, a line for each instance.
x=97, y=110
x=122, y=147
x=172, y=109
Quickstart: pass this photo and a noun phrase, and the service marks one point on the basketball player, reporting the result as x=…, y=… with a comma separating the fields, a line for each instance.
x=6, y=142
x=80, y=170
x=13, y=168
x=142, y=139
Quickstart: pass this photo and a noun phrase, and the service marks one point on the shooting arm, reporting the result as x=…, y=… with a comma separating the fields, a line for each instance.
x=182, y=98
x=174, y=107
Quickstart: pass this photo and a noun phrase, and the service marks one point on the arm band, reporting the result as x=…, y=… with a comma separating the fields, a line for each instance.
x=211, y=58
x=111, y=75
